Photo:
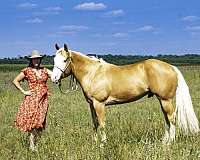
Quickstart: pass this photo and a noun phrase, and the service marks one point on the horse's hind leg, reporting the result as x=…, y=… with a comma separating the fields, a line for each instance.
x=169, y=114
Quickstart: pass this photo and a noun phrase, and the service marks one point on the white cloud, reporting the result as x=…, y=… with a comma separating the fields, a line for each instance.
x=120, y=35
x=90, y=6
x=44, y=13
x=27, y=5
x=195, y=33
x=115, y=35
x=48, y=11
x=108, y=43
x=23, y=43
x=67, y=32
x=53, y=9
x=54, y=35
x=193, y=28
x=74, y=28
x=190, y=18
x=118, y=23
x=147, y=28
x=97, y=35
x=71, y=30
x=114, y=13
x=34, y=20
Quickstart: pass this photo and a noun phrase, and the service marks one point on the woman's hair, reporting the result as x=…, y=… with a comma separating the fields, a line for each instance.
x=31, y=63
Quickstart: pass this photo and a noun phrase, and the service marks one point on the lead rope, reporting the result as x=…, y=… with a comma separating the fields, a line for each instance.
x=64, y=92
x=72, y=85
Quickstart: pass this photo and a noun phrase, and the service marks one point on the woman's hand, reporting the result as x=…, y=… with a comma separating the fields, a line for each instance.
x=27, y=93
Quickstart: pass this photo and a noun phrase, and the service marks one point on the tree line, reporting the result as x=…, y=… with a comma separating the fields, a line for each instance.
x=187, y=59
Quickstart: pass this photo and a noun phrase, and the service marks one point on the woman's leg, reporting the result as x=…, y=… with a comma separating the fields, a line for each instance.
x=32, y=140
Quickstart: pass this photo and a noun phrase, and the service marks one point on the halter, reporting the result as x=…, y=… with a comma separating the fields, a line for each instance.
x=63, y=71
x=67, y=65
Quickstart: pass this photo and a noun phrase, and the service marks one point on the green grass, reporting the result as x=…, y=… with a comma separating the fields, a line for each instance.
x=134, y=130
x=16, y=67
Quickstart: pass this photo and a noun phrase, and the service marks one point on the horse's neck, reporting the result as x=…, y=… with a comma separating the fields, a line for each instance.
x=83, y=67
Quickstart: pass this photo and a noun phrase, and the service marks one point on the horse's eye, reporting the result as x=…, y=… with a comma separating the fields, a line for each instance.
x=65, y=60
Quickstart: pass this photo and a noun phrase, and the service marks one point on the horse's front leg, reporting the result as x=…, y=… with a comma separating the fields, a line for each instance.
x=100, y=118
x=95, y=121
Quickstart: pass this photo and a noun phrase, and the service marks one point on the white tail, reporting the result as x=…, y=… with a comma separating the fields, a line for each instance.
x=186, y=116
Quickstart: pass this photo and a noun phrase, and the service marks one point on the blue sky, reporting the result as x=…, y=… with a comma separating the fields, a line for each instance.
x=103, y=27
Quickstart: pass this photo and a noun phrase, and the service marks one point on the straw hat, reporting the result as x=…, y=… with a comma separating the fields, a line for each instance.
x=35, y=54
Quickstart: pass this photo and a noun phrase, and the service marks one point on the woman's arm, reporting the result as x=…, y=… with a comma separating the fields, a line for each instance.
x=49, y=72
x=17, y=81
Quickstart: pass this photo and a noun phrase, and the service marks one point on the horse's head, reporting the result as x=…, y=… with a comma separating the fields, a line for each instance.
x=62, y=63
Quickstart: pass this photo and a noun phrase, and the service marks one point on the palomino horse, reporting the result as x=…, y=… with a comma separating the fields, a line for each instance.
x=106, y=84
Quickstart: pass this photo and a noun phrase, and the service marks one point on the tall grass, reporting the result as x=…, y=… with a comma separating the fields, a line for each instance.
x=134, y=130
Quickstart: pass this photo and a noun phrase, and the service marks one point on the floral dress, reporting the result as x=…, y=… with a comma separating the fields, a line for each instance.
x=33, y=110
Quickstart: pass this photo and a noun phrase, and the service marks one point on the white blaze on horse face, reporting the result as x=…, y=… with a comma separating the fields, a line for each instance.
x=59, y=67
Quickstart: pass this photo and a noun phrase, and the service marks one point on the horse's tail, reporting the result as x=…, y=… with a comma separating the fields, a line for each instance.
x=185, y=113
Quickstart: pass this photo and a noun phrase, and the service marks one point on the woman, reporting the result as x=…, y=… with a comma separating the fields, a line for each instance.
x=32, y=113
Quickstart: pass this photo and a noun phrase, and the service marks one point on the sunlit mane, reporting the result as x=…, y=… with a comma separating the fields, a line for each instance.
x=89, y=57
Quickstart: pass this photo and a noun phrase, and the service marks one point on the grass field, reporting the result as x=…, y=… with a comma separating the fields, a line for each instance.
x=134, y=130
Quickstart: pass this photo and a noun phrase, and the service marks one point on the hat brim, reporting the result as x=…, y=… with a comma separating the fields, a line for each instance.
x=32, y=57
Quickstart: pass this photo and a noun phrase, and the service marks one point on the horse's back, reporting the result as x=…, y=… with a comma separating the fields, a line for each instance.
x=161, y=77
x=127, y=82
x=130, y=82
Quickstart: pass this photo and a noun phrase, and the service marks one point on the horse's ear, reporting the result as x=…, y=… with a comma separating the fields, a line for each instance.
x=65, y=48
x=57, y=47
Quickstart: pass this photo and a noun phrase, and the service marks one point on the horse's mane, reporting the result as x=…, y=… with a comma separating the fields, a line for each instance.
x=90, y=57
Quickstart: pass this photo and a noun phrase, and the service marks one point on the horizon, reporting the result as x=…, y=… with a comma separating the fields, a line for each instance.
x=142, y=55
x=100, y=27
